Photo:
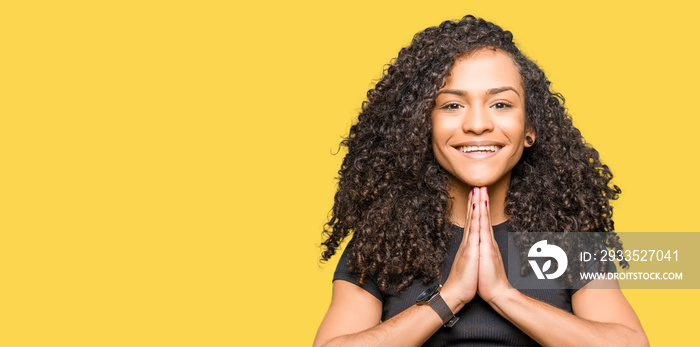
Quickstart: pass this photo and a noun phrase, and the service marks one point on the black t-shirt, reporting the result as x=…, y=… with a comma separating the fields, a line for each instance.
x=479, y=324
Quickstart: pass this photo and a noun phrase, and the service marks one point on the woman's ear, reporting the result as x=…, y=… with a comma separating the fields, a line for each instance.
x=530, y=138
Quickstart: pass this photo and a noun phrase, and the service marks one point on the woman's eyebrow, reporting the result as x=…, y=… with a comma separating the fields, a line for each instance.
x=452, y=91
x=490, y=91
x=501, y=90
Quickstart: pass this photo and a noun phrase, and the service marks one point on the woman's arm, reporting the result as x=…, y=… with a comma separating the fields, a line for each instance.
x=354, y=315
x=353, y=319
x=602, y=317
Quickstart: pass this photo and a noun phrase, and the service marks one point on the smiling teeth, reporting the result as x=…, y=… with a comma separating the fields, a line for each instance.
x=467, y=149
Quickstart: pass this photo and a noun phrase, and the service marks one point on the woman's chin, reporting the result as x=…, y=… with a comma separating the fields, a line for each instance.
x=479, y=179
x=475, y=181
x=480, y=182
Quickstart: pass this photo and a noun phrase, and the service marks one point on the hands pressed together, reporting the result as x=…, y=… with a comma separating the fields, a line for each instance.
x=478, y=267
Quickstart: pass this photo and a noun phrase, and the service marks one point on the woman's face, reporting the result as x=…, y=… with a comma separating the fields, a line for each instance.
x=479, y=119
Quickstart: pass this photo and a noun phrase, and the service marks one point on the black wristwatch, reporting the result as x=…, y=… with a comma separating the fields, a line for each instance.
x=431, y=296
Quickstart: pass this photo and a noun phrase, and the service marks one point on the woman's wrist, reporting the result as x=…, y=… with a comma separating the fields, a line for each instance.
x=452, y=299
x=503, y=299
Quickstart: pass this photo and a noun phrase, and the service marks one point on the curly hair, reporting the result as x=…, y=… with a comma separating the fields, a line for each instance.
x=393, y=195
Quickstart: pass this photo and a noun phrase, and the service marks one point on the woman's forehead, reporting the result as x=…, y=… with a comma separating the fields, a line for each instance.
x=484, y=70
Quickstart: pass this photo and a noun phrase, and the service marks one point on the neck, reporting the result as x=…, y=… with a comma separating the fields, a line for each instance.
x=459, y=194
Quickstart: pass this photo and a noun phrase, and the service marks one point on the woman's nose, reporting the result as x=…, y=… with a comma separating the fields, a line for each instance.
x=477, y=120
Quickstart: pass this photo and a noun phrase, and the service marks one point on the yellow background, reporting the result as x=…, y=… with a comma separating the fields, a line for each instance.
x=167, y=166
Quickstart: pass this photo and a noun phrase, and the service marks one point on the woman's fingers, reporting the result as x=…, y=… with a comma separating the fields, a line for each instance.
x=474, y=232
x=470, y=242
x=488, y=215
x=460, y=286
x=468, y=219
x=492, y=279
x=485, y=231
x=469, y=209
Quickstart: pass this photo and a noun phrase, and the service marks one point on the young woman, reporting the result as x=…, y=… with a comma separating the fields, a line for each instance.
x=459, y=143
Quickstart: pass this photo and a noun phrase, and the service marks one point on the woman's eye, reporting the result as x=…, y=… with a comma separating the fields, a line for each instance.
x=501, y=105
x=451, y=106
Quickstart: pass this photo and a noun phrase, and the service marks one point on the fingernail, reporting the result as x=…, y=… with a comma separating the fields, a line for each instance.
x=486, y=203
x=473, y=189
x=487, y=190
x=473, y=206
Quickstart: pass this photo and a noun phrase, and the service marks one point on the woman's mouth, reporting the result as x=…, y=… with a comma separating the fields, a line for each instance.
x=479, y=149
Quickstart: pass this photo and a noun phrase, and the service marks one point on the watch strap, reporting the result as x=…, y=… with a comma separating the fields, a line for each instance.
x=444, y=311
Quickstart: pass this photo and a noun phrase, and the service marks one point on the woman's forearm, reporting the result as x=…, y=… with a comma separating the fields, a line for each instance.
x=551, y=326
x=412, y=327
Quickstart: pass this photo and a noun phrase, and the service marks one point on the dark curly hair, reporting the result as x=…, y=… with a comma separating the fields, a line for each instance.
x=393, y=195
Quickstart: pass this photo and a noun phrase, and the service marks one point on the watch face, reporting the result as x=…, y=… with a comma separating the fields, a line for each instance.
x=428, y=293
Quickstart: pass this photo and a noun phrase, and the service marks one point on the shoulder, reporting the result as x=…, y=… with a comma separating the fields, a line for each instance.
x=344, y=274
